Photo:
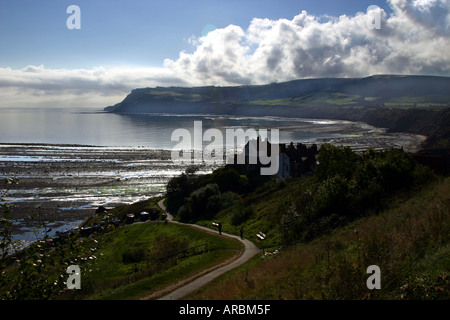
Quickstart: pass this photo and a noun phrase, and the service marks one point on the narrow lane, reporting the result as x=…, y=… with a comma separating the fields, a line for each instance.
x=250, y=250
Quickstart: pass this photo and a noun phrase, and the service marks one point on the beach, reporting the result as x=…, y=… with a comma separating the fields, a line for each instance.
x=63, y=184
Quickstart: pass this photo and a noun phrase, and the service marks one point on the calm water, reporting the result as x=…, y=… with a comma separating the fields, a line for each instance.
x=92, y=127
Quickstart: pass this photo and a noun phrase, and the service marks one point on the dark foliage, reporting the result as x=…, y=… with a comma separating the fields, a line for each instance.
x=349, y=186
x=192, y=196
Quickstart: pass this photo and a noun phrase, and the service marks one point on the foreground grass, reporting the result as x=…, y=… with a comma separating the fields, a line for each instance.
x=111, y=278
x=409, y=241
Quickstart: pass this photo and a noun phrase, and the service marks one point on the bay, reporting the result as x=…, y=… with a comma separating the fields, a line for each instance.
x=95, y=127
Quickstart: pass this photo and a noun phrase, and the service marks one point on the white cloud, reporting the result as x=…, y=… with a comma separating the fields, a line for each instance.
x=413, y=40
x=432, y=14
x=96, y=87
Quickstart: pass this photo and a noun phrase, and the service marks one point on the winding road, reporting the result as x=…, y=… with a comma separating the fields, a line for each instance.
x=250, y=250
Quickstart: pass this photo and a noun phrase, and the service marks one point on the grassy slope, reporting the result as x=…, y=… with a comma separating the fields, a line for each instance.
x=269, y=202
x=110, y=278
x=409, y=241
x=110, y=268
x=113, y=279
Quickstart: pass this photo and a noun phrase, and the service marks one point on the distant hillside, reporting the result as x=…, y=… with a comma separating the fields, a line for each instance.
x=414, y=104
x=383, y=90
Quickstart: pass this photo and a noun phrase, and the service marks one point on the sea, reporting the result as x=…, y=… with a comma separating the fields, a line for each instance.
x=99, y=128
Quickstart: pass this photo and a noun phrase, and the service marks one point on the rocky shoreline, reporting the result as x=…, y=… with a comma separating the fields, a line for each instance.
x=64, y=184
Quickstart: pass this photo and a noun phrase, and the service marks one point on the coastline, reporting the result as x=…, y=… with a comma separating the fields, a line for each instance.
x=65, y=183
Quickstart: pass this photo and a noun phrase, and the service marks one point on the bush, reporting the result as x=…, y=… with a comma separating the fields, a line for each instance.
x=198, y=200
x=332, y=196
x=134, y=254
x=228, y=199
x=179, y=188
x=298, y=221
x=196, y=205
x=206, y=202
x=395, y=169
x=334, y=161
x=228, y=180
x=241, y=215
x=220, y=202
x=185, y=212
x=366, y=200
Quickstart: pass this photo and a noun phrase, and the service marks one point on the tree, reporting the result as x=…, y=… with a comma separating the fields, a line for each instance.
x=198, y=203
x=199, y=199
x=332, y=196
x=179, y=188
x=335, y=160
x=396, y=170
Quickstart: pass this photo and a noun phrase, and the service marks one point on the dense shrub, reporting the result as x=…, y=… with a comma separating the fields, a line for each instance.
x=178, y=188
x=395, y=169
x=334, y=161
x=202, y=202
x=199, y=200
x=181, y=190
x=294, y=225
x=135, y=254
x=241, y=215
x=331, y=196
x=230, y=180
x=220, y=202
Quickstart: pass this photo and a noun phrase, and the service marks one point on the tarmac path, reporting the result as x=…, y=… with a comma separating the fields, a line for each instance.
x=250, y=250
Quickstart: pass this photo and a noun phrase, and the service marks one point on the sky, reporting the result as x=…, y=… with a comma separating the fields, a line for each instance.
x=125, y=44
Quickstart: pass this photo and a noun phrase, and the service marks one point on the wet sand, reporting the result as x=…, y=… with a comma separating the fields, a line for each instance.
x=67, y=183
x=379, y=141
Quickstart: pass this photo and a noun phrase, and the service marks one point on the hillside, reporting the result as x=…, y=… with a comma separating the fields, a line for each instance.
x=387, y=90
x=408, y=240
x=323, y=231
x=412, y=104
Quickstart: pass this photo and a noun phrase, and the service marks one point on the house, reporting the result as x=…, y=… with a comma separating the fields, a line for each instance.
x=293, y=160
x=284, y=166
x=144, y=216
x=130, y=218
x=302, y=159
